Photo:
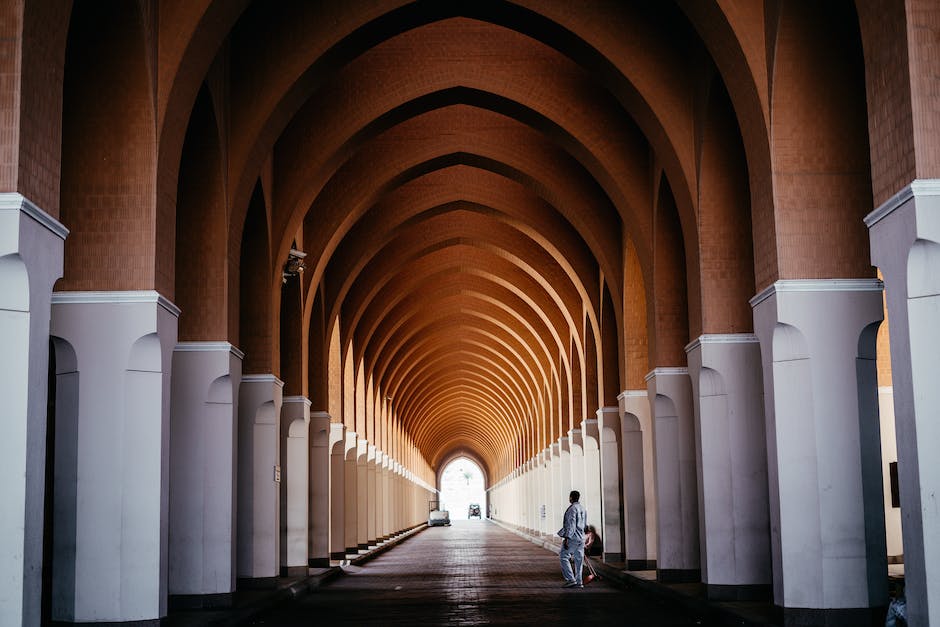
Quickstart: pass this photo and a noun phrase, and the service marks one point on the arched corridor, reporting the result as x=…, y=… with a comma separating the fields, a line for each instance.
x=267, y=268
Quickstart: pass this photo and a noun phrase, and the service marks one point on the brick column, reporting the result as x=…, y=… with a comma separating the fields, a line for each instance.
x=731, y=464
x=823, y=445
x=113, y=361
x=676, y=486
x=31, y=249
x=203, y=440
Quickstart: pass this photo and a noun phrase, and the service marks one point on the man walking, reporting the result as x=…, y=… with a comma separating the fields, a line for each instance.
x=572, y=545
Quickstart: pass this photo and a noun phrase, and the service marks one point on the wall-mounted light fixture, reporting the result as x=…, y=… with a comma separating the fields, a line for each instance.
x=295, y=264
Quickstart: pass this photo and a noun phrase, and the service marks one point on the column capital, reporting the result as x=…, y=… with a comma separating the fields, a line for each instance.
x=13, y=201
x=208, y=347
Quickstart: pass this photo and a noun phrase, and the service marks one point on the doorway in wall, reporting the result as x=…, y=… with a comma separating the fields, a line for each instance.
x=462, y=486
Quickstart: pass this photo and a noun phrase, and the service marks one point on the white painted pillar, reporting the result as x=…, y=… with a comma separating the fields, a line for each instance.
x=388, y=489
x=337, y=507
x=371, y=498
x=591, y=494
x=731, y=457
x=639, y=480
x=113, y=358
x=318, y=479
x=548, y=524
x=259, y=478
x=608, y=424
x=555, y=494
x=362, y=495
x=203, y=441
x=824, y=463
x=379, y=497
x=295, y=485
x=351, y=501
x=676, y=485
x=31, y=244
x=561, y=499
x=905, y=245
x=576, y=441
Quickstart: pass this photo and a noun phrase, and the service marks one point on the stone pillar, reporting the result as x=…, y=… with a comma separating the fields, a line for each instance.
x=371, y=497
x=318, y=512
x=639, y=480
x=608, y=424
x=555, y=495
x=31, y=244
x=731, y=464
x=547, y=494
x=388, y=496
x=676, y=485
x=113, y=357
x=203, y=441
x=564, y=447
x=259, y=478
x=823, y=446
x=295, y=482
x=591, y=494
x=905, y=245
x=337, y=500
x=351, y=501
x=362, y=495
x=576, y=441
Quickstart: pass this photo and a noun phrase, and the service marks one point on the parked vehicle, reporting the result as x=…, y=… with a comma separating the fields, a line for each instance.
x=474, y=511
x=439, y=518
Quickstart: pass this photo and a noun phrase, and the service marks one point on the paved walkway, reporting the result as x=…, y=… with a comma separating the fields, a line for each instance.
x=472, y=573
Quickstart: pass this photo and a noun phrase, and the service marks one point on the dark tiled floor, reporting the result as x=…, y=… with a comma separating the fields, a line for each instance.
x=473, y=573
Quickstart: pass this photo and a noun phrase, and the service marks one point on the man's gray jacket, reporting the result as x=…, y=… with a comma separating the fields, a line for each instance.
x=573, y=523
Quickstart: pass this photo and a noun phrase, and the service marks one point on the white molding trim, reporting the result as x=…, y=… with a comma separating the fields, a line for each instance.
x=296, y=399
x=817, y=285
x=918, y=187
x=13, y=201
x=632, y=394
x=208, y=347
x=666, y=372
x=262, y=378
x=721, y=338
x=115, y=298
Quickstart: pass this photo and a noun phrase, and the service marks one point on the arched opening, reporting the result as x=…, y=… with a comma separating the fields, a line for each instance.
x=462, y=485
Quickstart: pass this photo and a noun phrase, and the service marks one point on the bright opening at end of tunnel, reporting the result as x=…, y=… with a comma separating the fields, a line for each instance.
x=462, y=486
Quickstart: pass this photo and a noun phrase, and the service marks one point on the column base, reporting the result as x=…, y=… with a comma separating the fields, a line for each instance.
x=641, y=564
x=322, y=562
x=749, y=592
x=850, y=617
x=613, y=557
x=337, y=556
x=293, y=571
x=200, y=601
x=150, y=622
x=256, y=583
x=678, y=575
x=363, y=546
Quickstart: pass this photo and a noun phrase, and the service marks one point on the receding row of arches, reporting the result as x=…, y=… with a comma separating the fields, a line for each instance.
x=309, y=253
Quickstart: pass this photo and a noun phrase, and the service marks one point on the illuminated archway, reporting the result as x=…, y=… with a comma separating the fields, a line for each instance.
x=461, y=484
